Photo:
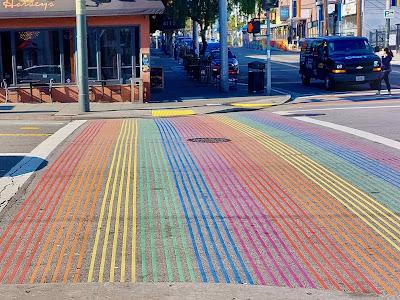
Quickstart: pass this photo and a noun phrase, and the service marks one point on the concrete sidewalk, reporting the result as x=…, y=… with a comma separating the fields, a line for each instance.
x=170, y=291
x=70, y=111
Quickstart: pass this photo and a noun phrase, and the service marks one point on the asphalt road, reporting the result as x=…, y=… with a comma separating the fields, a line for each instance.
x=272, y=201
x=285, y=73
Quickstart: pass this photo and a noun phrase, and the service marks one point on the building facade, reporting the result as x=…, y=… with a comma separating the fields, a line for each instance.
x=37, y=44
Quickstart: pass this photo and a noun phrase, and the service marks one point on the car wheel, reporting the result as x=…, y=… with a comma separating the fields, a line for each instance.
x=305, y=79
x=329, y=84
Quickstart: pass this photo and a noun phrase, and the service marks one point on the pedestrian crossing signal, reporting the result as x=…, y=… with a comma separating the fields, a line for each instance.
x=254, y=26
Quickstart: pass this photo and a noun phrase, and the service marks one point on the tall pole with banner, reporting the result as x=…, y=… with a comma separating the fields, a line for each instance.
x=388, y=15
x=269, y=79
x=267, y=5
x=82, y=56
x=223, y=39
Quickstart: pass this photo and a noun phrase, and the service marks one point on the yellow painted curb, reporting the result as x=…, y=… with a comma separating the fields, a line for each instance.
x=172, y=112
x=253, y=104
x=29, y=128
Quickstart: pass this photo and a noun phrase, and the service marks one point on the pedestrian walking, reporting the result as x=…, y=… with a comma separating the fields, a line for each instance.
x=386, y=69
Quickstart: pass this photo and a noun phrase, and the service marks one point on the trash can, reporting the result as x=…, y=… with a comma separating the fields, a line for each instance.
x=256, y=77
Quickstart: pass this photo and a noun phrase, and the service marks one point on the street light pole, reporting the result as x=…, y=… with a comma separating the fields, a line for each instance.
x=387, y=27
x=82, y=56
x=268, y=19
x=223, y=39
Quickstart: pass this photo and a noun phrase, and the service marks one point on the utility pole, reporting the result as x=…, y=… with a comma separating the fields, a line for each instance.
x=387, y=27
x=326, y=17
x=81, y=45
x=223, y=39
x=195, y=35
x=358, y=17
x=268, y=19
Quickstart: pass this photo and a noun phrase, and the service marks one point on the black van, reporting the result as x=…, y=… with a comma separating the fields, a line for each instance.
x=349, y=60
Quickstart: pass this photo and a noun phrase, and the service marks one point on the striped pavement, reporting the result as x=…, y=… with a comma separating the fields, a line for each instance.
x=277, y=202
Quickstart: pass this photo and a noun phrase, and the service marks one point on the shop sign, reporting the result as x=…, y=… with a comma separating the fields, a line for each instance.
x=306, y=13
x=145, y=62
x=40, y=4
x=349, y=9
x=284, y=13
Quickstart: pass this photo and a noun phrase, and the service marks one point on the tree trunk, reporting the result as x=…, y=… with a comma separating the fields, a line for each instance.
x=203, y=30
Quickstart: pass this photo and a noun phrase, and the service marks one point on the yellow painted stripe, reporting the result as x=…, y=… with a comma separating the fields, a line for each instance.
x=119, y=202
x=29, y=128
x=335, y=186
x=172, y=112
x=111, y=209
x=126, y=208
x=103, y=205
x=251, y=105
x=24, y=134
x=134, y=201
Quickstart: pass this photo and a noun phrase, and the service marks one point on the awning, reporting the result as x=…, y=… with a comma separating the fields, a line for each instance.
x=66, y=8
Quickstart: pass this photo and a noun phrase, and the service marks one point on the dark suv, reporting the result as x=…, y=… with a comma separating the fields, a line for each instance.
x=349, y=60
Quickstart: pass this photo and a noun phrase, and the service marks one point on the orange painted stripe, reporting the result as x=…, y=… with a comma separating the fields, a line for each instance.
x=84, y=164
x=85, y=191
x=91, y=218
x=40, y=219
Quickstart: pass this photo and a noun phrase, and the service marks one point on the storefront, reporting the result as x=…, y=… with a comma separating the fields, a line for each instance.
x=37, y=44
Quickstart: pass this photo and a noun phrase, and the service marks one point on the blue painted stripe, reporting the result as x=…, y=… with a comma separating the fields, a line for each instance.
x=174, y=165
x=205, y=187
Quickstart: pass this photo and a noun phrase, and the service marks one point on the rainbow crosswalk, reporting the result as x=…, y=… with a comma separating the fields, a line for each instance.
x=278, y=202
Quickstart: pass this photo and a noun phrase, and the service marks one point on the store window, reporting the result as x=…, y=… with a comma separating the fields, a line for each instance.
x=38, y=56
x=6, y=70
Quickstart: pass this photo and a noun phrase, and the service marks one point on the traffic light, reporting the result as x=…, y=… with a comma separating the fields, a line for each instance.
x=267, y=4
x=254, y=26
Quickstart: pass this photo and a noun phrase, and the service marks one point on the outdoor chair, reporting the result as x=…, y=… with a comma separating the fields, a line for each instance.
x=10, y=90
x=115, y=87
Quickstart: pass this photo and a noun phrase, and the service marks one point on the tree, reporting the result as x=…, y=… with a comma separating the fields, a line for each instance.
x=205, y=13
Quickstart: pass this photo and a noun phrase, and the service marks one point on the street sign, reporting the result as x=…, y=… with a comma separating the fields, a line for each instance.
x=389, y=14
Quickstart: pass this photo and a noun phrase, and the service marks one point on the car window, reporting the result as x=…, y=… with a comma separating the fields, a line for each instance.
x=349, y=47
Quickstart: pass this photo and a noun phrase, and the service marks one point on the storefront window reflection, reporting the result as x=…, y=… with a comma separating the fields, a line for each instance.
x=38, y=56
x=6, y=72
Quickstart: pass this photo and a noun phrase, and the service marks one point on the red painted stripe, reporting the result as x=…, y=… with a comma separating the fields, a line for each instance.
x=85, y=144
x=223, y=157
x=88, y=142
x=269, y=180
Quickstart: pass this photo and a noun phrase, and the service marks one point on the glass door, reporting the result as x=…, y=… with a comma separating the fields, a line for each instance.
x=109, y=42
x=6, y=69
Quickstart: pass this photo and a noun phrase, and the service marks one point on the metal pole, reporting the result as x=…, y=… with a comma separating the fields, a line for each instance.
x=223, y=39
x=195, y=35
x=268, y=19
x=387, y=27
x=82, y=56
x=326, y=18
x=358, y=18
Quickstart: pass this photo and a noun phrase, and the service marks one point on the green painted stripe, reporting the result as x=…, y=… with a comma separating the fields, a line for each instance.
x=170, y=196
x=388, y=194
x=142, y=208
x=151, y=214
x=158, y=185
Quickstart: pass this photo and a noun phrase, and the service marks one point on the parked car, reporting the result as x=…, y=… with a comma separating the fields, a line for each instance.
x=42, y=73
x=214, y=58
x=349, y=60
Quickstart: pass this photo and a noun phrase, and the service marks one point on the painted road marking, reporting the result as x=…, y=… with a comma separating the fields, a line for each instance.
x=24, y=134
x=361, y=204
x=29, y=128
x=11, y=184
x=250, y=105
x=289, y=112
x=172, y=112
x=360, y=133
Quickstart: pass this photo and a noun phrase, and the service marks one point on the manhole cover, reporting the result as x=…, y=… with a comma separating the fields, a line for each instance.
x=209, y=140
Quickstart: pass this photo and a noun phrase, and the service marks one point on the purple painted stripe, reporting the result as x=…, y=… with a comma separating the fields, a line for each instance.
x=369, y=150
x=223, y=165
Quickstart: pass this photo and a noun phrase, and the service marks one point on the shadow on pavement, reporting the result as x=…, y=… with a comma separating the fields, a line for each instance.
x=11, y=166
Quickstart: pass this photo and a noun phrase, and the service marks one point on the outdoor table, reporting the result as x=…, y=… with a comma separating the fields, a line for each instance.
x=31, y=82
